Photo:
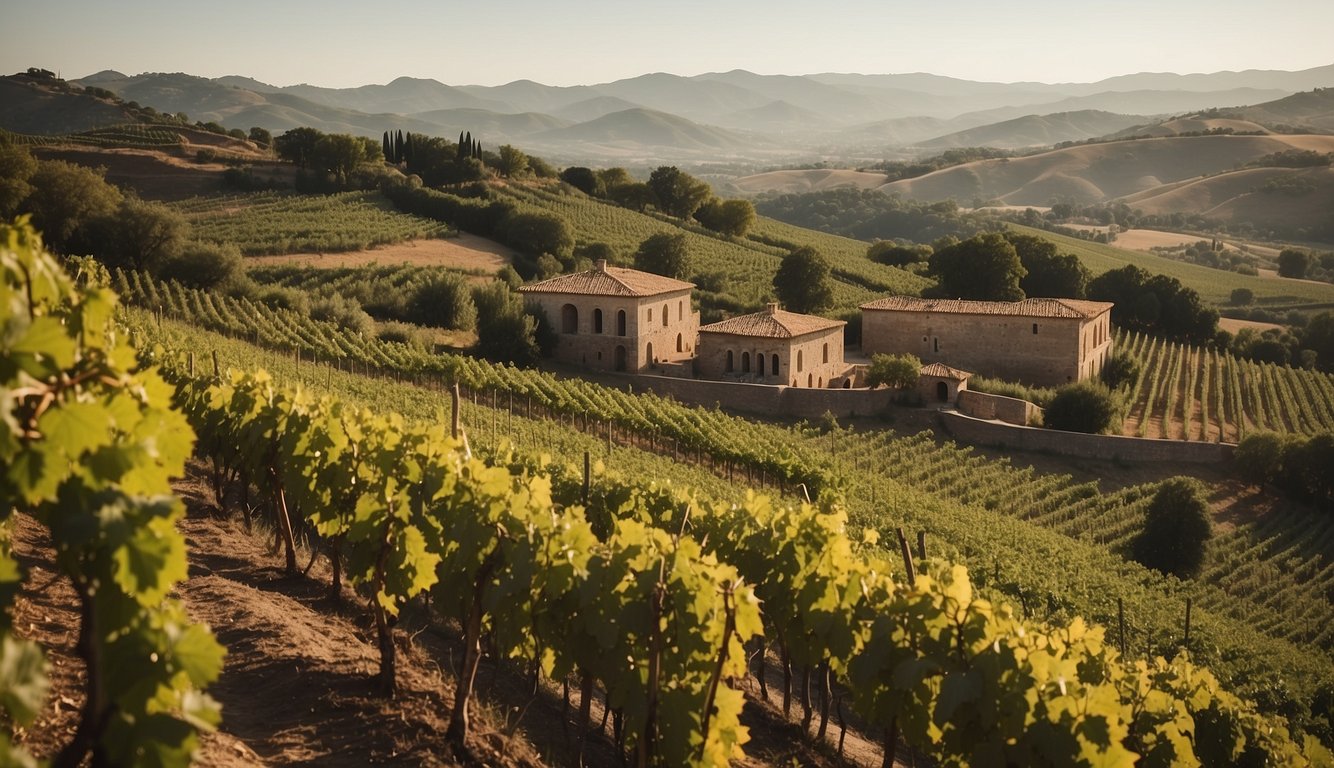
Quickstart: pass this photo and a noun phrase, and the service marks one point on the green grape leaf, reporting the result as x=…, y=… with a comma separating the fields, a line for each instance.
x=23, y=681
x=152, y=559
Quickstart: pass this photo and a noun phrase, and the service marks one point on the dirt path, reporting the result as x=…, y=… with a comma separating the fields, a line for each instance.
x=464, y=252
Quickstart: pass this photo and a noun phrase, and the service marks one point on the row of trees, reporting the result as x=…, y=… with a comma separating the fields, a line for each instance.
x=80, y=212
x=669, y=190
x=337, y=155
x=997, y=266
x=1298, y=466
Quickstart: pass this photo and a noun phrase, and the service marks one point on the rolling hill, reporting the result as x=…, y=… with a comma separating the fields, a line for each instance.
x=1037, y=130
x=796, y=182
x=644, y=127
x=1099, y=172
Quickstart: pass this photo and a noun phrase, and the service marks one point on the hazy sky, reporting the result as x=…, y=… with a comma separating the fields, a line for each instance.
x=339, y=43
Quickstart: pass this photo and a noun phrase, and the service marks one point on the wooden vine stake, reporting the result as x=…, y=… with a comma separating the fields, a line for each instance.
x=1121, y=623
x=456, y=412
x=907, y=557
x=216, y=369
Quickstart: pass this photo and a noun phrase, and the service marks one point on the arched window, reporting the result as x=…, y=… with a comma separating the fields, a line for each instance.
x=648, y=354
x=569, y=319
x=773, y=369
x=650, y=314
x=680, y=343
x=810, y=380
x=731, y=364
x=665, y=312
x=799, y=361
x=745, y=362
x=620, y=323
x=826, y=352
x=597, y=320
x=681, y=309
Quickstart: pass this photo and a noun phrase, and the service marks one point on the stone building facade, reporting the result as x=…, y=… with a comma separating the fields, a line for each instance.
x=1044, y=342
x=773, y=347
x=617, y=319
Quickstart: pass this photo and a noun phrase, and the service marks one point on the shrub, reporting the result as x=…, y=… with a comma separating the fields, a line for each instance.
x=443, y=301
x=1086, y=406
x=206, y=266
x=894, y=371
x=1121, y=369
x=345, y=313
x=505, y=332
x=1176, y=528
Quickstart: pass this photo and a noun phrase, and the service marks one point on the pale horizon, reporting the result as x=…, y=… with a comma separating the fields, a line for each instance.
x=340, y=44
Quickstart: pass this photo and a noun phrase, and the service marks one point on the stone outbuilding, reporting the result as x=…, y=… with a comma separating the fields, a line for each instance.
x=617, y=319
x=938, y=383
x=773, y=347
x=1044, y=342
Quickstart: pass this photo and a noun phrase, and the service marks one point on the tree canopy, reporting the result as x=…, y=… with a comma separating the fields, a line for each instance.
x=664, y=253
x=1155, y=304
x=893, y=371
x=1050, y=274
x=1085, y=406
x=677, y=193
x=1176, y=527
x=802, y=282
x=728, y=217
x=1293, y=262
x=984, y=267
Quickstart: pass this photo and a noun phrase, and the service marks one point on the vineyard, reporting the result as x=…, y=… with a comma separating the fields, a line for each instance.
x=263, y=223
x=917, y=484
x=130, y=135
x=559, y=576
x=1214, y=285
x=1188, y=393
x=746, y=268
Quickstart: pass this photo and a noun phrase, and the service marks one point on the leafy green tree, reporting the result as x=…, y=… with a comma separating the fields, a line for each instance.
x=984, y=267
x=1242, y=297
x=728, y=217
x=538, y=233
x=1050, y=274
x=892, y=254
x=612, y=178
x=208, y=266
x=802, y=281
x=513, y=162
x=261, y=136
x=894, y=371
x=17, y=166
x=677, y=193
x=505, y=331
x=1258, y=459
x=1155, y=304
x=340, y=154
x=636, y=196
x=443, y=301
x=1318, y=336
x=65, y=200
x=298, y=146
x=584, y=180
x=1121, y=369
x=664, y=253
x=1294, y=263
x=1176, y=528
x=138, y=235
x=1085, y=406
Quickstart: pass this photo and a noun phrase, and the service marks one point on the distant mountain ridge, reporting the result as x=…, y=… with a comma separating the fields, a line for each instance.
x=794, y=113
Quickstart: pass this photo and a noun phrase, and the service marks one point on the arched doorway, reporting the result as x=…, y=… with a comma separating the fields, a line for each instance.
x=569, y=319
x=773, y=368
x=648, y=354
x=619, y=359
x=680, y=343
x=810, y=380
x=942, y=392
x=745, y=362
x=731, y=362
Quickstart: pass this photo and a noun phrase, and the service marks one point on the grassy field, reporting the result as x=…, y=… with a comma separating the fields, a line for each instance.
x=1214, y=285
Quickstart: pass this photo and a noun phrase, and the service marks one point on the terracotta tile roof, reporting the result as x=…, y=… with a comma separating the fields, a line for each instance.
x=603, y=280
x=772, y=323
x=942, y=371
x=1068, y=308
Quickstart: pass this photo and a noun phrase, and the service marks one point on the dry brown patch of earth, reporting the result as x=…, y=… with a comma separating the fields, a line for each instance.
x=464, y=252
x=1232, y=325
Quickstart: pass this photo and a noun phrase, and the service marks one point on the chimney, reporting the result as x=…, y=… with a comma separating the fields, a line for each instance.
x=771, y=308
x=600, y=265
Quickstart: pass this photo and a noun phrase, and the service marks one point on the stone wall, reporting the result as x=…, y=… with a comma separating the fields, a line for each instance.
x=767, y=399
x=1044, y=351
x=982, y=405
x=611, y=333
x=967, y=429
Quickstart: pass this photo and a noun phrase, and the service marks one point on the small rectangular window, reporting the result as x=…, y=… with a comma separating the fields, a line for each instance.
x=1035, y=329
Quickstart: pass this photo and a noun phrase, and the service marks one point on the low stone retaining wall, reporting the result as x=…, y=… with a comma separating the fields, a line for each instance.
x=982, y=405
x=767, y=399
x=967, y=429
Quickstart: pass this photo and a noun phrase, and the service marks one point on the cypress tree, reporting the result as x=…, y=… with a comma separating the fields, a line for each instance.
x=398, y=147
x=388, y=148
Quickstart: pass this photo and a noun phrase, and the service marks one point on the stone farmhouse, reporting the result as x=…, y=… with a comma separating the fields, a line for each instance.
x=1044, y=342
x=773, y=347
x=611, y=318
